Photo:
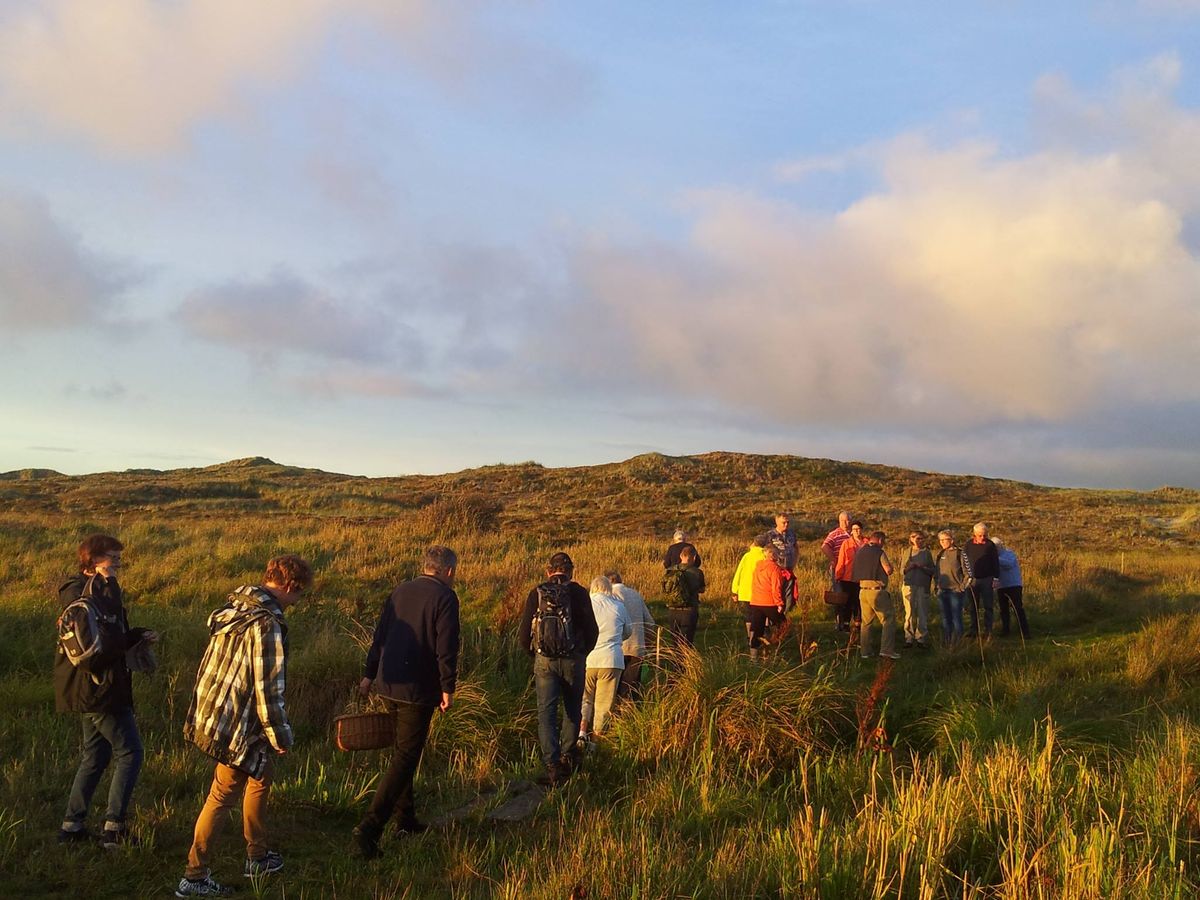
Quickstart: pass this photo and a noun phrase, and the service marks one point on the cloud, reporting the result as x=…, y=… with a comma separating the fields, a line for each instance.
x=48, y=277
x=970, y=289
x=135, y=77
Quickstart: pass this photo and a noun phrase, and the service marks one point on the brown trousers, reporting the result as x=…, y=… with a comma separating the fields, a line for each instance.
x=228, y=786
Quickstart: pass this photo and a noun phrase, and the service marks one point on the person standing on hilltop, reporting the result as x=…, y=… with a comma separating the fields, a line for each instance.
x=742, y=586
x=678, y=545
x=237, y=716
x=953, y=580
x=783, y=539
x=985, y=566
x=871, y=570
x=92, y=678
x=1009, y=590
x=413, y=662
x=917, y=572
x=848, y=614
x=634, y=647
x=682, y=586
x=833, y=543
x=558, y=629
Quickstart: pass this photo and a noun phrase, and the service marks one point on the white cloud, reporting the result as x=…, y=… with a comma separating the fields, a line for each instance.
x=970, y=289
x=48, y=277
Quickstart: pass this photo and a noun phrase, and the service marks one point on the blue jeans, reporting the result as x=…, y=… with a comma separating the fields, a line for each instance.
x=952, y=614
x=558, y=681
x=105, y=736
x=982, y=595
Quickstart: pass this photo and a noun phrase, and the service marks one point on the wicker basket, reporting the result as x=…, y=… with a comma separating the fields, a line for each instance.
x=365, y=731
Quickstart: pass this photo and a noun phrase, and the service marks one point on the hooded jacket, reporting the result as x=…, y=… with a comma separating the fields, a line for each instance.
x=101, y=683
x=237, y=713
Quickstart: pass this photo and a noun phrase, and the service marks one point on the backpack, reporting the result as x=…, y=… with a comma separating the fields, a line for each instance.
x=81, y=631
x=676, y=589
x=553, y=631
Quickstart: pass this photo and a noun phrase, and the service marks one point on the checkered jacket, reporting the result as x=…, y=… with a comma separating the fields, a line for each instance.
x=237, y=713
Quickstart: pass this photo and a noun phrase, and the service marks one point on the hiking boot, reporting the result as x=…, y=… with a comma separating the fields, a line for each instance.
x=204, y=887
x=271, y=863
x=366, y=845
x=78, y=836
x=114, y=838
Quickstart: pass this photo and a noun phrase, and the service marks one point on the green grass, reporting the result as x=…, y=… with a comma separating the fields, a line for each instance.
x=1064, y=766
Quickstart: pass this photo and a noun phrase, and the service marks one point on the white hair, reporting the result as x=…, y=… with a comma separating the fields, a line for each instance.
x=601, y=585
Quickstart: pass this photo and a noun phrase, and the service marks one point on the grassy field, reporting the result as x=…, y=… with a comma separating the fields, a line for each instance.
x=1065, y=766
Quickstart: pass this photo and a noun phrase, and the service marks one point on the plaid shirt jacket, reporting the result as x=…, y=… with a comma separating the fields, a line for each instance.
x=237, y=713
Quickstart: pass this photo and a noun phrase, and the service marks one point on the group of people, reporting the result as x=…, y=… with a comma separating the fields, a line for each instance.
x=588, y=649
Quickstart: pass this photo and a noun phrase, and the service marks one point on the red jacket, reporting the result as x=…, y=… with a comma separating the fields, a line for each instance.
x=773, y=585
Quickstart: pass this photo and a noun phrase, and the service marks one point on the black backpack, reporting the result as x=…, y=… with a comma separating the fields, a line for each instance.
x=82, y=629
x=553, y=630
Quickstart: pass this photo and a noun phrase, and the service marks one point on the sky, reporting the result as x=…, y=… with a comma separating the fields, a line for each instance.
x=385, y=237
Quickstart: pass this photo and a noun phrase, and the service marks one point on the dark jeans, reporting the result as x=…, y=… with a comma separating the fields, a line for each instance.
x=981, y=595
x=1012, y=595
x=682, y=624
x=394, y=796
x=558, y=682
x=850, y=611
x=105, y=735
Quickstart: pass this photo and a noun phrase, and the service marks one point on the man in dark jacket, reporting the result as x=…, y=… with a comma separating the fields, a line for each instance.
x=100, y=688
x=985, y=566
x=679, y=543
x=558, y=672
x=413, y=662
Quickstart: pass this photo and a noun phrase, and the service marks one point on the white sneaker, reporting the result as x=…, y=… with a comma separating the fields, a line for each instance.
x=205, y=887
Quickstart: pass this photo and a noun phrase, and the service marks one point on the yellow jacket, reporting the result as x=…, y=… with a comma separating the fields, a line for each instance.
x=743, y=575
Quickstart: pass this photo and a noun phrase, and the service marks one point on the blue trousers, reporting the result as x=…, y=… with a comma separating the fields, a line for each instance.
x=952, y=615
x=559, y=683
x=106, y=736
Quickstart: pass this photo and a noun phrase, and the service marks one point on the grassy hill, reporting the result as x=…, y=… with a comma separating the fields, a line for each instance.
x=1065, y=766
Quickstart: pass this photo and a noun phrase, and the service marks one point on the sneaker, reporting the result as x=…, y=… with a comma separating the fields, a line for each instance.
x=892, y=655
x=205, y=887
x=365, y=845
x=78, y=836
x=114, y=838
x=271, y=863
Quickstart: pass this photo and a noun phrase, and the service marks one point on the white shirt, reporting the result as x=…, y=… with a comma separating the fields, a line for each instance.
x=613, y=622
x=639, y=615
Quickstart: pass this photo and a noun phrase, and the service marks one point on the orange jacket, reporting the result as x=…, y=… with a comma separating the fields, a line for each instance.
x=772, y=585
x=845, y=562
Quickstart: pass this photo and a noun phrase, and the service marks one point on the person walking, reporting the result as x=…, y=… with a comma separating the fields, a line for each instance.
x=413, y=663
x=683, y=584
x=1010, y=590
x=237, y=715
x=606, y=662
x=93, y=681
x=872, y=568
x=679, y=543
x=918, y=572
x=953, y=580
x=558, y=629
x=634, y=646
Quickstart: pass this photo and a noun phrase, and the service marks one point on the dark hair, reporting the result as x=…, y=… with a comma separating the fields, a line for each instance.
x=614, y=576
x=560, y=562
x=761, y=540
x=688, y=552
x=95, y=548
x=857, y=522
x=289, y=570
x=878, y=535
x=438, y=559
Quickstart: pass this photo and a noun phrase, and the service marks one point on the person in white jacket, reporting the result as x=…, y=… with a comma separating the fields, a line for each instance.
x=606, y=662
x=635, y=645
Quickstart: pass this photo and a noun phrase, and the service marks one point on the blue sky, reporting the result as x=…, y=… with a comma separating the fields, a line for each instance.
x=389, y=237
